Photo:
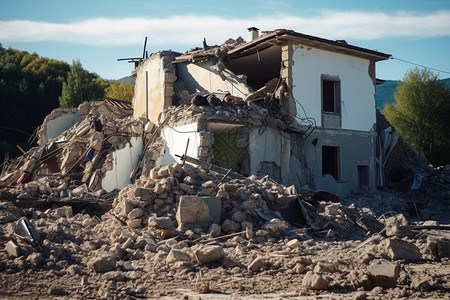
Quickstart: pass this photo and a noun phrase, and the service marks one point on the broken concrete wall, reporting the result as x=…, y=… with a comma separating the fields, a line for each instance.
x=58, y=121
x=176, y=140
x=153, y=91
x=123, y=162
x=269, y=153
x=209, y=77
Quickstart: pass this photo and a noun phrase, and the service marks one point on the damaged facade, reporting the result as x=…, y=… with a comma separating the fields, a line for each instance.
x=298, y=108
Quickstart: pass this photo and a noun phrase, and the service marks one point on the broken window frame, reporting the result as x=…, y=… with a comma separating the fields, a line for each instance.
x=326, y=167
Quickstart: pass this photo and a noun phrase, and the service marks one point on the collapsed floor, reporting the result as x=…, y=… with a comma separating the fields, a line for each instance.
x=63, y=235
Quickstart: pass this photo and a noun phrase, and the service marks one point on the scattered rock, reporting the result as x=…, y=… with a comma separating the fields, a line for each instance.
x=313, y=281
x=438, y=247
x=177, y=255
x=256, y=264
x=209, y=254
x=12, y=249
x=397, y=226
x=64, y=211
x=293, y=244
x=36, y=259
x=102, y=264
x=135, y=213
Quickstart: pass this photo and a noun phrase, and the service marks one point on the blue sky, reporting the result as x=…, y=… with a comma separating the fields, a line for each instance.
x=100, y=32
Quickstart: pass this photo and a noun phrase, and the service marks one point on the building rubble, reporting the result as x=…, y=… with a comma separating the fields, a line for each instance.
x=184, y=227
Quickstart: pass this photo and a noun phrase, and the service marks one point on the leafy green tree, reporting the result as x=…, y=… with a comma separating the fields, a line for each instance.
x=421, y=114
x=120, y=90
x=81, y=86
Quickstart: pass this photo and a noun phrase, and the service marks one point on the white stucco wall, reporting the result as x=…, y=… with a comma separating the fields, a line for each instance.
x=124, y=162
x=61, y=123
x=357, y=89
x=205, y=77
x=270, y=146
x=176, y=141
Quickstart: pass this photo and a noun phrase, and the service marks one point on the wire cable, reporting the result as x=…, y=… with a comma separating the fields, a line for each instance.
x=409, y=62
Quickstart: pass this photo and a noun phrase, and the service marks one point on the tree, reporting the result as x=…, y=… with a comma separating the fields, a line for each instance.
x=421, y=114
x=81, y=86
x=120, y=90
x=29, y=89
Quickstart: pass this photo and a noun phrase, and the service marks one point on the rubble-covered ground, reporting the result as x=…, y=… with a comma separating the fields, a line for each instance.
x=138, y=243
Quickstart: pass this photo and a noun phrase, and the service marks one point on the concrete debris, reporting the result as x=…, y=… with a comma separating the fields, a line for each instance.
x=256, y=264
x=314, y=281
x=102, y=264
x=191, y=210
x=177, y=256
x=209, y=254
x=108, y=207
x=12, y=249
x=438, y=247
x=399, y=249
x=397, y=226
x=384, y=274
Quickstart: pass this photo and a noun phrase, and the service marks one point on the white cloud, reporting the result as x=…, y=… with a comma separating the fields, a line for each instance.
x=190, y=29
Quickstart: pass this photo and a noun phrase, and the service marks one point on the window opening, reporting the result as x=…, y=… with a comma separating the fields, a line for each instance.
x=331, y=94
x=330, y=161
x=363, y=175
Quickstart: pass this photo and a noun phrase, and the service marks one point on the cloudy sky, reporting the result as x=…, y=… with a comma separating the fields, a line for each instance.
x=99, y=32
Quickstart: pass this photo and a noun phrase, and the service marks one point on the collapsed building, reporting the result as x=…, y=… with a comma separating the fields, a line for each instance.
x=297, y=108
x=315, y=117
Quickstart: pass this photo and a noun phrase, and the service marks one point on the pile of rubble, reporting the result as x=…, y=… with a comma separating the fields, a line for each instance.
x=150, y=244
x=191, y=227
x=70, y=167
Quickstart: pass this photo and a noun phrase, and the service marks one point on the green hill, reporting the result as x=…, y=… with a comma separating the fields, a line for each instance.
x=385, y=92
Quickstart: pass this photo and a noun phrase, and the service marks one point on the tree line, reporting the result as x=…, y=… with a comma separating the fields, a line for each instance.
x=32, y=86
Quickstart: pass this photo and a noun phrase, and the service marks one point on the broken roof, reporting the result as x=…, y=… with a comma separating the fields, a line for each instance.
x=280, y=35
x=239, y=48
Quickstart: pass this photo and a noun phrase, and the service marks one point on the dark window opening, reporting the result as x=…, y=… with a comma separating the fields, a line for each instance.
x=330, y=161
x=363, y=175
x=331, y=95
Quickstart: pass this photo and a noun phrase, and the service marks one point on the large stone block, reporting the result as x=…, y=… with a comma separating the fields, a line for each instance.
x=384, y=274
x=192, y=210
x=399, y=249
